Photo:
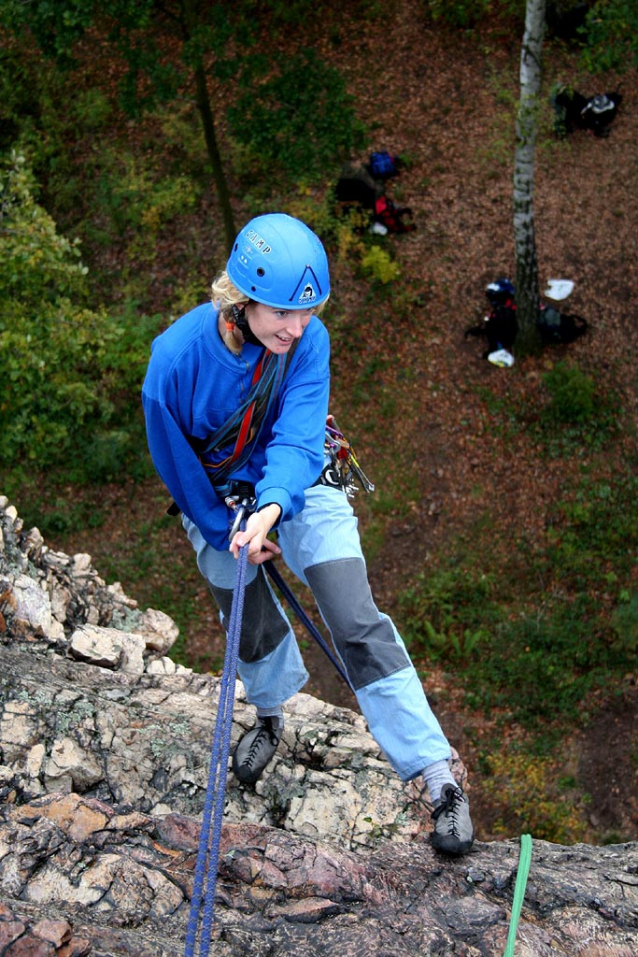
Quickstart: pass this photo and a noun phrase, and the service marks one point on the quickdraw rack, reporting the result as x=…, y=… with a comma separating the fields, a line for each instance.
x=344, y=461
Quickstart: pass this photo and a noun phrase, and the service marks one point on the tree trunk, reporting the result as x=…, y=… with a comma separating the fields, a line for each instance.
x=190, y=26
x=203, y=105
x=527, y=292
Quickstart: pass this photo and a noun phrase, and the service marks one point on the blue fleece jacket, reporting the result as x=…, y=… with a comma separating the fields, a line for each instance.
x=192, y=386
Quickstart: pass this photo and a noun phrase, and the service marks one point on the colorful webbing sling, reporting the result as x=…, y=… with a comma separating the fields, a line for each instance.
x=245, y=423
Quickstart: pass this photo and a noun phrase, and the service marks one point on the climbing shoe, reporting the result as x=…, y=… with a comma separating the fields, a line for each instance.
x=453, y=832
x=256, y=748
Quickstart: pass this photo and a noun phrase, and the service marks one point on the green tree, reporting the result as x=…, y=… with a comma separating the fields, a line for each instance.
x=142, y=30
x=611, y=35
x=295, y=127
x=69, y=371
x=174, y=48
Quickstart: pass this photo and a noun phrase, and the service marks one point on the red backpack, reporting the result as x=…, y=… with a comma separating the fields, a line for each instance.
x=391, y=216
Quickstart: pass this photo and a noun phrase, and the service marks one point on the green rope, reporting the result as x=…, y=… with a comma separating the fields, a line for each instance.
x=519, y=891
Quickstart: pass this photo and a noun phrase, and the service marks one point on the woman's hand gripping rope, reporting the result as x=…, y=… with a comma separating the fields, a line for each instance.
x=255, y=534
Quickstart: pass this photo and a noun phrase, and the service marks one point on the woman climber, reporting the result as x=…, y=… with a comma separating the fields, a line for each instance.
x=236, y=400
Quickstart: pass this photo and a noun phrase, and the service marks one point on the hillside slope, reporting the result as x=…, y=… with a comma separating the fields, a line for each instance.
x=460, y=471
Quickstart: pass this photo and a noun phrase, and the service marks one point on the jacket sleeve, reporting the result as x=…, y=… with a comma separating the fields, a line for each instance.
x=178, y=465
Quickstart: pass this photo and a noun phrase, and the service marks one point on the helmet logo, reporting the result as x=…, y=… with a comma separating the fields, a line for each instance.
x=258, y=242
x=308, y=294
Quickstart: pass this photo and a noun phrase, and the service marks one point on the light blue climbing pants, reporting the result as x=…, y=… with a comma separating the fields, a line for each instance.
x=321, y=546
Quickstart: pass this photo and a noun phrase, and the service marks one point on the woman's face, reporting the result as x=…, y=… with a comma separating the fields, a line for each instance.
x=277, y=328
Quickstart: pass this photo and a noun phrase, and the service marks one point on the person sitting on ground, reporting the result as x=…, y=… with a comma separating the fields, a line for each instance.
x=236, y=396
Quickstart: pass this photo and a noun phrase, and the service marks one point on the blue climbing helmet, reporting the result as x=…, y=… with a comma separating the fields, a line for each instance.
x=277, y=260
x=500, y=291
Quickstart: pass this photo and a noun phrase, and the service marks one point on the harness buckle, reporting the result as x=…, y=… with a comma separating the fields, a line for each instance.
x=241, y=501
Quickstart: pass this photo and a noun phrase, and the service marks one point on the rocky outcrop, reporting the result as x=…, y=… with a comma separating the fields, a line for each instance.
x=91, y=704
x=104, y=752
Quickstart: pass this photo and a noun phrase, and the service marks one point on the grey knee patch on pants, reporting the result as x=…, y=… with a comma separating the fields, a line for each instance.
x=263, y=626
x=365, y=640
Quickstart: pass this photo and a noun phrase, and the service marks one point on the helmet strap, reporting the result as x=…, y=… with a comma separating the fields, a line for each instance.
x=240, y=320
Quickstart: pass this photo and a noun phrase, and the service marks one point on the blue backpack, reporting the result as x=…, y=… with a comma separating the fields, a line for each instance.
x=382, y=165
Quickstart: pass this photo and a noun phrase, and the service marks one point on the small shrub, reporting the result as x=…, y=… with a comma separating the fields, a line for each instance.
x=447, y=613
x=594, y=530
x=572, y=394
x=522, y=792
x=461, y=13
x=378, y=266
x=539, y=666
x=624, y=622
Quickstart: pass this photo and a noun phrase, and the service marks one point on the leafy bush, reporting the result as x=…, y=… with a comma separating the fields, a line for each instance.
x=534, y=665
x=446, y=613
x=461, y=13
x=38, y=264
x=71, y=374
x=611, y=31
x=522, y=792
x=538, y=666
x=624, y=622
x=569, y=411
x=531, y=651
x=594, y=530
x=378, y=265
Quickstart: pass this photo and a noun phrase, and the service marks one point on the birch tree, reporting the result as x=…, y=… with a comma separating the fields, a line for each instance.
x=527, y=289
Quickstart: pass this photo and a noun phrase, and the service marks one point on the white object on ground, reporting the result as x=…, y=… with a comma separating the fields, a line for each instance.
x=501, y=358
x=558, y=289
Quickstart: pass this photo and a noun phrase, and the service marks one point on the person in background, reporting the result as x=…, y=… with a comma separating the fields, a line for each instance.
x=236, y=403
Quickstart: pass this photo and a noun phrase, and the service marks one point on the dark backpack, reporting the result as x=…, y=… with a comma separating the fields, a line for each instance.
x=500, y=328
x=356, y=186
x=560, y=328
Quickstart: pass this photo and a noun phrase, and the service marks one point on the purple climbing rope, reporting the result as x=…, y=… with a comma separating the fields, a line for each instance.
x=205, y=880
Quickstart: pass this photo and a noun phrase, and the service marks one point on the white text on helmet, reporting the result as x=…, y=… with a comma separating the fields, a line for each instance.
x=258, y=242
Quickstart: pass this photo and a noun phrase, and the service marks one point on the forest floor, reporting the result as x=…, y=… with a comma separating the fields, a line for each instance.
x=449, y=108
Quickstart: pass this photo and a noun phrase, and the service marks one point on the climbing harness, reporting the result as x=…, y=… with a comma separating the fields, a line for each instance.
x=524, y=862
x=205, y=879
